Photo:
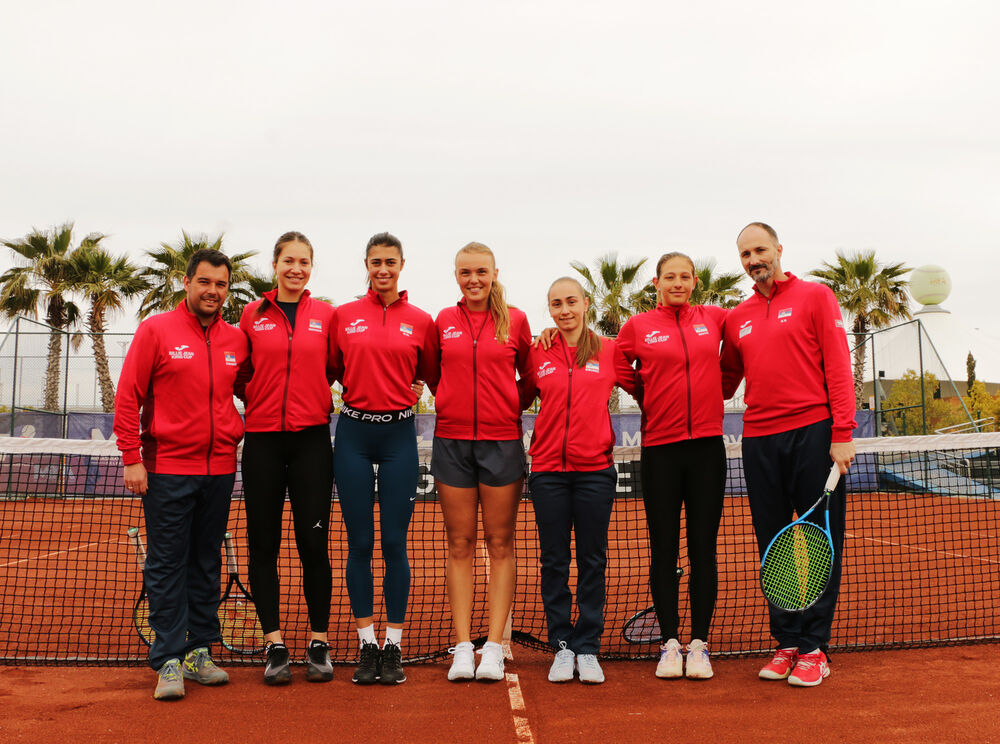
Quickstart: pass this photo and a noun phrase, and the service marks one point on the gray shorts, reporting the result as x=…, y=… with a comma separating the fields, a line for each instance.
x=464, y=463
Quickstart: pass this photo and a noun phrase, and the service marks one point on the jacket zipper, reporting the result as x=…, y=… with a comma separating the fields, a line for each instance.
x=687, y=370
x=211, y=398
x=475, y=374
x=288, y=369
x=569, y=401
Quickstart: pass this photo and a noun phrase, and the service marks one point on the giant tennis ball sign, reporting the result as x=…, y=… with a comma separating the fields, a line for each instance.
x=930, y=285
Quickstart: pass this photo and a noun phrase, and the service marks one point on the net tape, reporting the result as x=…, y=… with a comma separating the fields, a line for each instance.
x=921, y=558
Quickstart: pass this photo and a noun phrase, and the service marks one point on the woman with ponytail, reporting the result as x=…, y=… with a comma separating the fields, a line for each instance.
x=573, y=477
x=478, y=457
x=287, y=449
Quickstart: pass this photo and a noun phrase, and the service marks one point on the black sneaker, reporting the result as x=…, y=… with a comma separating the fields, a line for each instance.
x=318, y=666
x=368, y=669
x=392, y=665
x=277, y=672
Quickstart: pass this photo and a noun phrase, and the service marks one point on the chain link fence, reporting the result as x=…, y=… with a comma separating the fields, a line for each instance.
x=47, y=373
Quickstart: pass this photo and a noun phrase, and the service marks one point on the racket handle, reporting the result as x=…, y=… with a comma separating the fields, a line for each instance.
x=140, y=551
x=834, y=479
x=230, y=553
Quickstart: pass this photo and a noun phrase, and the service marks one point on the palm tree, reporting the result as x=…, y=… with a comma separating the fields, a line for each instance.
x=166, y=277
x=40, y=283
x=872, y=294
x=105, y=281
x=716, y=289
x=615, y=295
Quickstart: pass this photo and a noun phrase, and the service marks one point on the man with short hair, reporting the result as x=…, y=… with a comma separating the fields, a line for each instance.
x=788, y=341
x=177, y=429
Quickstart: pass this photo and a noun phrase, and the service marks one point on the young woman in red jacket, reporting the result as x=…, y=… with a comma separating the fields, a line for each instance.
x=382, y=345
x=573, y=477
x=675, y=348
x=478, y=458
x=287, y=449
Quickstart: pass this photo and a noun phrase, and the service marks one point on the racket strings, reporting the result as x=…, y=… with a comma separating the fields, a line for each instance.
x=797, y=567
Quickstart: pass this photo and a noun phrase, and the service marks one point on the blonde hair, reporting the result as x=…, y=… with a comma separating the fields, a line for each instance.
x=497, y=300
x=588, y=345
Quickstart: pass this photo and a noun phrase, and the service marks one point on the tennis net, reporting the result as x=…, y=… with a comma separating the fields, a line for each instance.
x=921, y=558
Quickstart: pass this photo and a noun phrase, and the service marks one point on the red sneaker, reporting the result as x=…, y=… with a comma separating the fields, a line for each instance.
x=781, y=665
x=810, y=670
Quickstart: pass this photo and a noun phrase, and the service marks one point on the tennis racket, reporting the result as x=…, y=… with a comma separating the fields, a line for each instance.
x=140, y=613
x=798, y=562
x=643, y=627
x=241, y=631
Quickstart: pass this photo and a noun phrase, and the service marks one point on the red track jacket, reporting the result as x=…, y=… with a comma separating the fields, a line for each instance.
x=181, y=376
x=476, y=395
x=792, y=348
x=379, y=351
x=678, y=365
x=287, y=377
x=573, y=428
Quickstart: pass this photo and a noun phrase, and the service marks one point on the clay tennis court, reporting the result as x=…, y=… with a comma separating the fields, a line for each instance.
x=919, y=569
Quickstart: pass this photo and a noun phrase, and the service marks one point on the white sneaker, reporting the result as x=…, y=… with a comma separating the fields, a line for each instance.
x=491, y=664
x=463, y=662
x=562, y=666
x=589, y=669
x=671, y=663
x=698, y=665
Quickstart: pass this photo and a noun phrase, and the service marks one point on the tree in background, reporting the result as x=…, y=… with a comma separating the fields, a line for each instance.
x=872, y=294
x=105, y=281
x=970, y=371
x=40, y=286
x=902, y=407
x=615, y=293
x=169, y=264
x=981, y=404
x=716, y=289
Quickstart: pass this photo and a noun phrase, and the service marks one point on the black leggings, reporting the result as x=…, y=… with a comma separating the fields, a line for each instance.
x=692, y=473
x=302, y=463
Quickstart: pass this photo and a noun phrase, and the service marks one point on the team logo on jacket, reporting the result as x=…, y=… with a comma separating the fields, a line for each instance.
x=784, y=315
x=181, y=352
x=701, y=329
x=546, y=368
x=745, y=328
x=655, y=337
x=450, y=332
x=406, y=329
x=264, y=323
x=230, y=358
x=593, y=366
x=315, y=325
x=356, y=326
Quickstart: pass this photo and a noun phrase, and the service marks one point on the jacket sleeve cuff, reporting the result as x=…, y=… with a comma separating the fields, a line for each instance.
x=131, y=457
x=841, y=436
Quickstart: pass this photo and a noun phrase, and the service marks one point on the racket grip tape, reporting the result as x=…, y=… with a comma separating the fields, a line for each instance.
x=834, y=479
x=230, y=553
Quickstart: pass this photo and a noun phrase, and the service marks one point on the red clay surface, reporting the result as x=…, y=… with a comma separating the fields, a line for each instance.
x=936, y=695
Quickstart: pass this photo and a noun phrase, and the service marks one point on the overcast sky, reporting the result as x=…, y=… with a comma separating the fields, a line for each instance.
x=550, y=131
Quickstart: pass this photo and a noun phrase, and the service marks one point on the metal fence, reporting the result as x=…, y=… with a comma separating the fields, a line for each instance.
x=35, y=357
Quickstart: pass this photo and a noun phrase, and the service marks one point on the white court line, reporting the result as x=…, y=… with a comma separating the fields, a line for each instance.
x=518, y=713
x=922, y=550
x=522, y=729
x=57, y=552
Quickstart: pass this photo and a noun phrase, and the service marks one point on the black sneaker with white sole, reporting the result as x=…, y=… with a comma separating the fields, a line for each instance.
x=367, y=672
x=318, y=666
x=277, y=671
x=392, y=665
